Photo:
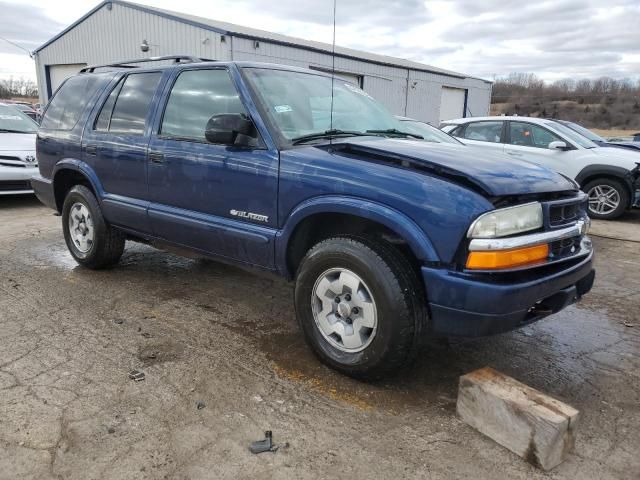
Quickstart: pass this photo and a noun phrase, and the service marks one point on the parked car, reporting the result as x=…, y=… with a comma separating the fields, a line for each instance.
x=597, y=139
x=17, y=151
x=610, y=177
x=388, y=239
x=428, y=132
x=27, y=110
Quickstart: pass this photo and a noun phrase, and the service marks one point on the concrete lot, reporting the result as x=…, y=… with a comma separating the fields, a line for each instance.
x=206, y=332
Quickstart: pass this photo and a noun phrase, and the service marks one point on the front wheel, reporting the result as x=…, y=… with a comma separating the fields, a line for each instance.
x=608, y=198
x=90, y=239
x=360, y=305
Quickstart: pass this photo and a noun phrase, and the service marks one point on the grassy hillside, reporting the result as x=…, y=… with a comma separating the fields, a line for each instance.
x=604, y=103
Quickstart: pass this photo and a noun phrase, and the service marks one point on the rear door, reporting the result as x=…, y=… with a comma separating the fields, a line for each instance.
x=487, y=134
x=529, y=141
x=115, y=146
x=221, y=199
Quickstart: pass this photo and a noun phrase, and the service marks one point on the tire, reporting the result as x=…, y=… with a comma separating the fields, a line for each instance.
x=101, y=246
x=617, y=202
x=386, y=281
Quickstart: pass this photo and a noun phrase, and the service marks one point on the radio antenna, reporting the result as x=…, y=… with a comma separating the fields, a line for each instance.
x=333, y=65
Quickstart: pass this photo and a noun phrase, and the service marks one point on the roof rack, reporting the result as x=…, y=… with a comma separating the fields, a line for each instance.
x=126, y=64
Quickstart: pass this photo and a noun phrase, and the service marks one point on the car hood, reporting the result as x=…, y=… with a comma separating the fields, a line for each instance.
x=619, y=157
x=17, y=142
x=494, y=173
x=634, y=146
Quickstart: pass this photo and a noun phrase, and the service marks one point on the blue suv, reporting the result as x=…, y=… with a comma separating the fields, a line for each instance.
x=389, y=239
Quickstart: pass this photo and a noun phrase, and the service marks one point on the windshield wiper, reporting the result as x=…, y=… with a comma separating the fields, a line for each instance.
x=395, y=131
x=326, y=134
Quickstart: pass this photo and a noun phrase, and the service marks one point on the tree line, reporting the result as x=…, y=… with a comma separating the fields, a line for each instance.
x=604, y=102
x=20, y=87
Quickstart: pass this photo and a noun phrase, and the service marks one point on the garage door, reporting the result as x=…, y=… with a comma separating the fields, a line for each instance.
x=452, y=103
x=59, y=73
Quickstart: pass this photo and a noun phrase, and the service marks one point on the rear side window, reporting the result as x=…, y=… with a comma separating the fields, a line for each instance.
x=483, y=131
x=127, y=106
x=104, y=119
x=69, y=102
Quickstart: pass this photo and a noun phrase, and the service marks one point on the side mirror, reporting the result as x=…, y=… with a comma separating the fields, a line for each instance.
x=225, y=128
x=557, y=145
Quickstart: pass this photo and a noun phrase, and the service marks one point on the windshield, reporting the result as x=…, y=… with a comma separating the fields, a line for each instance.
x=14, y=121
x=572, y=135
x=428, y=132
x=585, y=132
x=300, y=104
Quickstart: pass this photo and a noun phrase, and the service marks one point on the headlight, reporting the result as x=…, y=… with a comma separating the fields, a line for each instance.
x=507, y=221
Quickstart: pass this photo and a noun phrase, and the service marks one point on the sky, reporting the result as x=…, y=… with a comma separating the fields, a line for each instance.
x=554, y=39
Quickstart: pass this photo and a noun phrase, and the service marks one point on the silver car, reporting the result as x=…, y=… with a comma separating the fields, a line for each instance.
x=17, y=151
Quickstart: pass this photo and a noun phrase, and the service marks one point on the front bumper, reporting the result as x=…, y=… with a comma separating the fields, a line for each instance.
x=473, y=305
x=16, y=179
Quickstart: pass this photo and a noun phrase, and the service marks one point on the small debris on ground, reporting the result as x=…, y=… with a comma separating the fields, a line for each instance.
x=136, y=375
x=118, y=321
x=266, y=445
x=200, y=405
x=628, y=324
x=111, y=430
x=146, y=334
x=257, y=398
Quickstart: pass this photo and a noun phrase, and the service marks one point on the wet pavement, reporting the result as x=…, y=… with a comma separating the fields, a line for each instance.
x=224, y=361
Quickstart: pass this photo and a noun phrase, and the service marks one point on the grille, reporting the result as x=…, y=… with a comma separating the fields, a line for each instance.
x=7, y=186
x=563, y=214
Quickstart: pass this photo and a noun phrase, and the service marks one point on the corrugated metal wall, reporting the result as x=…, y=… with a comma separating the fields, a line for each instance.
x=110, y=35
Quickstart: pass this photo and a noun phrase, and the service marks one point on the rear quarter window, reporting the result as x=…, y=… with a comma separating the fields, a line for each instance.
x=69, y=102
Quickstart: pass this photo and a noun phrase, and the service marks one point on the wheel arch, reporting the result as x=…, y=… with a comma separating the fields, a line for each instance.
x=299, y=231
x=611, y=172
x=70, y=172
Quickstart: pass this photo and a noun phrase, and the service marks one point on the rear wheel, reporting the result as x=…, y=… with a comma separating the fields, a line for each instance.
x=608, y=198
x=360, y=305
x=90, y=239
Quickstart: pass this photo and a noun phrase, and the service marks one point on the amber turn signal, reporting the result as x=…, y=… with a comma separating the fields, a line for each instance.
x=501, y=259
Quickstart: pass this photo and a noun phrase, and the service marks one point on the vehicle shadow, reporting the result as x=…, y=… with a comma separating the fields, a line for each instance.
x=18, y=201
x=258, y=309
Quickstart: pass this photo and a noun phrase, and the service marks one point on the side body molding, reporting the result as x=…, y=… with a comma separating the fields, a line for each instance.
x=417, y=239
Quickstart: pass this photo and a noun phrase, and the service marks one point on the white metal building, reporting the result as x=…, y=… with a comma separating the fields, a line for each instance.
x=116, y=30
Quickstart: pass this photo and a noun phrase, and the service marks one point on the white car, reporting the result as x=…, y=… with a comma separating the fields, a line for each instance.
x=17, y=151
x=610, y=176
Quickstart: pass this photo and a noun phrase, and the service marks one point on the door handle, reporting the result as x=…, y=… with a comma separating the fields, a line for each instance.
x=156, y=157
x=91, y=149
x=514, y=154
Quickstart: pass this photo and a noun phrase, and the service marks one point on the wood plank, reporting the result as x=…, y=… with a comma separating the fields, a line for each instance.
x=533, y=425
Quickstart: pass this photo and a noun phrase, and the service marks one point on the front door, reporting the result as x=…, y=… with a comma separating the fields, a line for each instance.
x=528, y=141
x=115, y=146
x=220, y=199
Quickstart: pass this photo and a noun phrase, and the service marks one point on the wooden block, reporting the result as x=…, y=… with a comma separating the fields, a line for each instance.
x=531, y=424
